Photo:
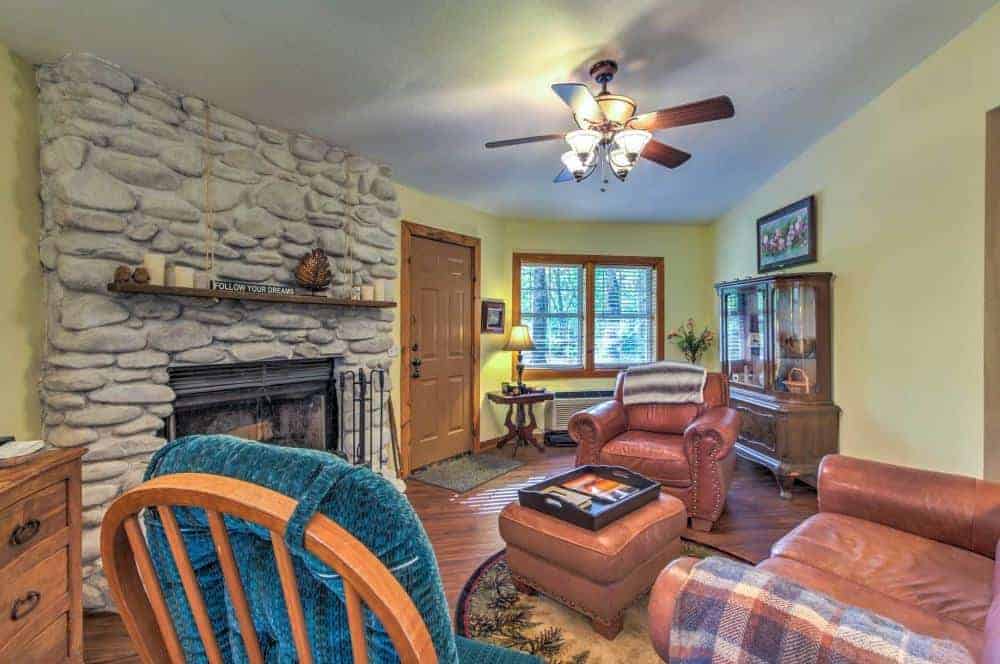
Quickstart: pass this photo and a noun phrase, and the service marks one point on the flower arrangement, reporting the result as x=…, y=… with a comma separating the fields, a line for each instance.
x=692, y=345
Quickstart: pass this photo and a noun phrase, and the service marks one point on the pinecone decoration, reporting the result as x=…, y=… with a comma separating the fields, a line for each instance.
x=313, y=271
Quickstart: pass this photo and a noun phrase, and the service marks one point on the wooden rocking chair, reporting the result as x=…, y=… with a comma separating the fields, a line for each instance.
x=137, y=592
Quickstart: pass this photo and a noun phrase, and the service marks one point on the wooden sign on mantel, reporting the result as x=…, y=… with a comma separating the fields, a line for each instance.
x=259, y=289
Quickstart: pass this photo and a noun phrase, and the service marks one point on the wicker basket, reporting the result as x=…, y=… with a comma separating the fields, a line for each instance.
x=797, y=381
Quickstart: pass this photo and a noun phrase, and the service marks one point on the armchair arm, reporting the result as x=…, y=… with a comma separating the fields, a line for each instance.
x=708, y=444
x=957, y=510
x=720, y=426
x=594, y=427
x=662, y=599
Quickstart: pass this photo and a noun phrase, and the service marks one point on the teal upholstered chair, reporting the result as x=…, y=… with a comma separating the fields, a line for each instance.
x=257, y=553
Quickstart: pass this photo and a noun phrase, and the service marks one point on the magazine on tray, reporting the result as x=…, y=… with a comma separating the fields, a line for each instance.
x=600, y=488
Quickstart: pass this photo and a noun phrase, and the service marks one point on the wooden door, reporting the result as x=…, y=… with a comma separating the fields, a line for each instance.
x=440, y=370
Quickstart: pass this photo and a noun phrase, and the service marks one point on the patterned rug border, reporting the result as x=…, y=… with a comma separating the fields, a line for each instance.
x=462, y=607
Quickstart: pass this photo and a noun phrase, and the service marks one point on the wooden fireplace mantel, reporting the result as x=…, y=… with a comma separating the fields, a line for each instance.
x=257, y=297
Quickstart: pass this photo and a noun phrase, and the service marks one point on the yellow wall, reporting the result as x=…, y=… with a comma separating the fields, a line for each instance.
x=901, y=212
x=21, y=309
x=685, y=250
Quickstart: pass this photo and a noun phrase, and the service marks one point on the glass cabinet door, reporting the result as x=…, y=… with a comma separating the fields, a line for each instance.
x=743, y=354
x=795, y=360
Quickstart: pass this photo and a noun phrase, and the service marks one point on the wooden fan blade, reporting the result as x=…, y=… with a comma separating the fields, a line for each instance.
x=526, y=139
x=707, y=110
x=580, y=100
x=564, y=176
x=664, y=154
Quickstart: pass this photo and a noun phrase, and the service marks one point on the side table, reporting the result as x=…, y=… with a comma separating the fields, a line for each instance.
x=521, y=428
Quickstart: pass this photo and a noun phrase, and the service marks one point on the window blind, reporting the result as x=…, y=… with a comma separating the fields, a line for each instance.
x=624, y=315
x=552, y=308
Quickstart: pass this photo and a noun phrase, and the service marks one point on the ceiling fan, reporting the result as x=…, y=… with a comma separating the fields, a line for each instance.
x=611, y=134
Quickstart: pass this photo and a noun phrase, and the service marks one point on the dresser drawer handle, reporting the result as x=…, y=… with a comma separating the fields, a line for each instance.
x=25, y=605
x=25, y=532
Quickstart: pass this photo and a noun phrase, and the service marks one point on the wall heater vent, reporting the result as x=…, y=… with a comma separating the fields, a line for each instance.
x=566, y=404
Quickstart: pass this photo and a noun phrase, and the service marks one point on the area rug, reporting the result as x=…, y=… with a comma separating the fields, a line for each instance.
x=491, y=609
x=466, y=472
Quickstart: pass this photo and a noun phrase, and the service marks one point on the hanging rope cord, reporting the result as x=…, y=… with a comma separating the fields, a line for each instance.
x=208, y=194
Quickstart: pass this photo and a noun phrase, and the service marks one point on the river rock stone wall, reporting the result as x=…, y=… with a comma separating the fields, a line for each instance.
x=129, y=167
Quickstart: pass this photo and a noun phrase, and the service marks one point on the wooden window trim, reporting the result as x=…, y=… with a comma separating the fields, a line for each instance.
x=589, y=262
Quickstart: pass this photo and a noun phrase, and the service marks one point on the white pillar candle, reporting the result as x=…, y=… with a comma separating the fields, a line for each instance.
x=156, y=265
x=368, y=293
x=181, y=276
x=380, y=289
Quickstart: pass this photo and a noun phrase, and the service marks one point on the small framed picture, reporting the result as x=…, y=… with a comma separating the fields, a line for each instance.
x=787, y=236
x=494, y=316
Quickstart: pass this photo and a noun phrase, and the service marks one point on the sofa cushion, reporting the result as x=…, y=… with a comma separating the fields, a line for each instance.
x=658, y=456
x=991, y=651
x=849, y=592
x=662, y=418
x=938, y=578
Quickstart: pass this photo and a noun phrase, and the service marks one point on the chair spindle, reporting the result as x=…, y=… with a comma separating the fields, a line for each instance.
x=293, y=603
x=190, y=583
x=234, y=585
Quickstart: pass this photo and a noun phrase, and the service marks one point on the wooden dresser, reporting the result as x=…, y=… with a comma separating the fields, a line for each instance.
x=41, y=603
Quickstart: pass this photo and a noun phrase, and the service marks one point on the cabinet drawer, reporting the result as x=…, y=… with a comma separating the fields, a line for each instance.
x=30, y=520
x=758, y=429
x=32, y=593
x=49, y=646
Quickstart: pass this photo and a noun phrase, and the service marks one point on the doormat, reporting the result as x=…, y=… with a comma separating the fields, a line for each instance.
x=466, y=472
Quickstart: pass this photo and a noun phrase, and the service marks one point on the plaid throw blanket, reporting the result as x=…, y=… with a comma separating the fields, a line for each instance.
x=664, y=382
x=731, y=612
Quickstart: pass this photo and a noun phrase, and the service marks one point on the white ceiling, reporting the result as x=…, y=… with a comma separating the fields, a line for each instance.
x=422, y=85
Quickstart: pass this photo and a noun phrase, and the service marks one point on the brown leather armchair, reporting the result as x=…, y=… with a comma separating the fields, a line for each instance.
x=687, y=448
x=915, y=546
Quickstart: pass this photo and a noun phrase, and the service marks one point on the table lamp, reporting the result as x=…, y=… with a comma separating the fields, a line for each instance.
x=519, y=339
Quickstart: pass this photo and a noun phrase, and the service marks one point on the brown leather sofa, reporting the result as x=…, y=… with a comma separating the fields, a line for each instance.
x=914, y=546
x=687, y=448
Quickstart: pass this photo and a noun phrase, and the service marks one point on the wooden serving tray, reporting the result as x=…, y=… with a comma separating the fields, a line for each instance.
x=599, y=514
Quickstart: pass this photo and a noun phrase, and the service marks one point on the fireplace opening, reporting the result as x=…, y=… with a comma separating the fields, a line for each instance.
x=288, y=402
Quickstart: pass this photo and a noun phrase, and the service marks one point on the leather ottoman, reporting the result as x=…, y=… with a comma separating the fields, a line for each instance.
x=598, y=573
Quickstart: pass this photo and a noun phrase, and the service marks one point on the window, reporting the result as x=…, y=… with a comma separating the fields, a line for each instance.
x=588, y=315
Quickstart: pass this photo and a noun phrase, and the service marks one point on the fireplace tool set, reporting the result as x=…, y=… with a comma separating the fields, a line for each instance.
x=367, y=429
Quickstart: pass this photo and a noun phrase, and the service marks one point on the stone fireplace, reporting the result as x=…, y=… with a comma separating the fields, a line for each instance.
x=130, y=166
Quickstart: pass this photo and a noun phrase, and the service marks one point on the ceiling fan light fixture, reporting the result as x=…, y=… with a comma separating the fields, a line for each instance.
x=575, y=165
x=621, y=164
x=583, y=141
x=632, y=141
x=618, y=109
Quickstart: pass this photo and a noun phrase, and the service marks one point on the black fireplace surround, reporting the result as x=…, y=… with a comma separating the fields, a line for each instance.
x=285, y=402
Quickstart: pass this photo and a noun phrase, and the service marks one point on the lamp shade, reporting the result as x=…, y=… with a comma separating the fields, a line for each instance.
x=583, y=141
x=519, y=339
x=632, y=141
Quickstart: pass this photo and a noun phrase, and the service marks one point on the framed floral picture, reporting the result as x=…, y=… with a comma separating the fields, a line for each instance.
x=494, y=316
x=787, y=236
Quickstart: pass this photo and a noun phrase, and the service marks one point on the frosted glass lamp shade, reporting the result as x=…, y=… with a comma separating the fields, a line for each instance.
x=583, y=141
x=620, y=161
x=519, y=339
x=575, y=165
x=632, y=141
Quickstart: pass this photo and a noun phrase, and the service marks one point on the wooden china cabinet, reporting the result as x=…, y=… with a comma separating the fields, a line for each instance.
x=775, y=349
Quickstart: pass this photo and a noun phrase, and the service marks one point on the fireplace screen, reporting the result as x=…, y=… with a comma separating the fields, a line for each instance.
x=290, y=403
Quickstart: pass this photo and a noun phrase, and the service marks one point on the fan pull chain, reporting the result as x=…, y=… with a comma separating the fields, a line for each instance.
x=208, y=195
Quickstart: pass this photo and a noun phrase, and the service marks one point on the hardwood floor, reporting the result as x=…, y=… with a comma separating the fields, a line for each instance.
x=463, y=530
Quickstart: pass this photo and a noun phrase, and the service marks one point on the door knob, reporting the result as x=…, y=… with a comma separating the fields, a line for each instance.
x=415, y=367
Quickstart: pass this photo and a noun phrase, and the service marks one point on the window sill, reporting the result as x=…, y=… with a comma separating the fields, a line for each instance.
x=543, y=374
